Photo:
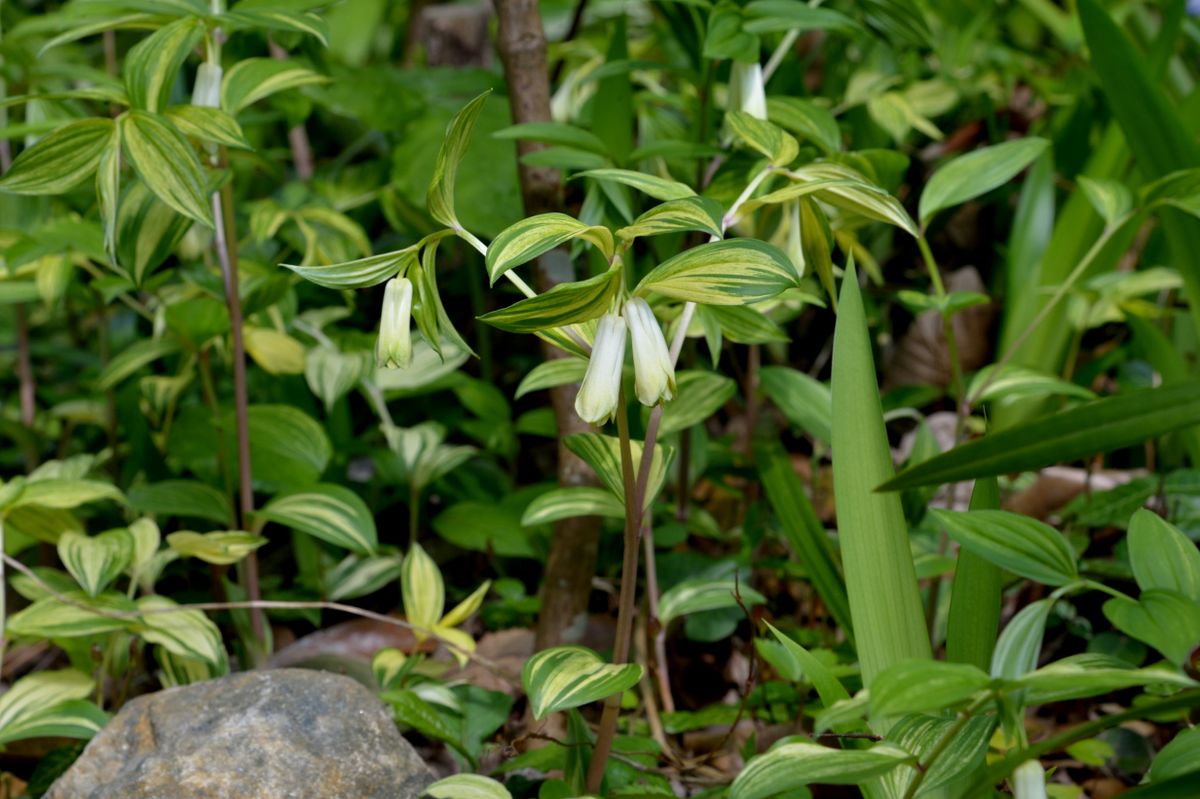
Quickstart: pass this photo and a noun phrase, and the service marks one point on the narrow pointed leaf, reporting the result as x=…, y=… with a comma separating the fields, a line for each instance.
x=522, y=242
x=1163, y=557
x=651, y=185
x=572, y=676
x=571, y=501
x=674, y=216
x=1022, y=545
x=564, y=304
x=166, y=162
x=791, y=766
x=60, y=160
x=440, y=198
x=330, y=512
x=252, y=79
x=153, y=63
x=978, y=172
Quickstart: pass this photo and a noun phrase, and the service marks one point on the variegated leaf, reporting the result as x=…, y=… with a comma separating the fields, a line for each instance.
x=603, y=454
x=571, y=676
x=49, y=704
x=776, y=144
x=252, y=79
x=187, y=633
x=95, y=561
x=440, y=198
x=651, y=185
x=695, y=596
x=531, y=237
x=465, y=609
x=356, y=576
x=790, y=766
x=422, y=590
x=571, y=501
x=850, y=191
x=152, y=64
x=66, y=493
x=53, y=618
x=360, y=274
x=675, y=216
x=331, y=375
x=555, y=372
x=167, y=164
x=330, y=512
x=467, y=786
x=281, y=19
x=223, y=548
x=208, y=124
x=733, y=272
x=60, y=160
x=564, y=304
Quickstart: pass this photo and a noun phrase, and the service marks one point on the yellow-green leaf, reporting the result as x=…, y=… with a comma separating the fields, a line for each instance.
x=60, y=160
x=95, y=561
x=276, y=352
x=330, y=512
x=776, y=144
x=570, y=676
x=440, y=198
x=651, y=185
x=152, y=64
x=187, y=633
x=208, y=124
x=52, y=618
x=565, y=304
x=222, y=548
x=733, y=272
x=422, y=590
x=252, y=79
x=166, y=162
x=529, y=238
x=674, y=216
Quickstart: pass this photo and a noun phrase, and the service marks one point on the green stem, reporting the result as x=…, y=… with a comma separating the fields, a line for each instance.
x=944, y=742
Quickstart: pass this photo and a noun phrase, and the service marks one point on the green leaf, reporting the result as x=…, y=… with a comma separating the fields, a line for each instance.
x=360, y=274
x=790, y=766
x=208, y=124
x=65, y=493
x=969, y=176
x=1162, y=556
x=1020, y=382
x=733, y=272
x=95, y=561
x=288, y=448
x=564, y=304
x=1018, y=646
x=467, y=786
x=743, y=324
x=330, y=512
x=572, y=676
x=1101, y=426
x=776, y=144
x=558, y=133
x=921, y=686
x=699, y=394
x=1111, y=199
x=1177, y=758
x=1022, y=545
x=675, y=216
x=49, y=704
x=355, y=577
x=556, y=372
x=805, y=401
x=535, y=235
x=410, y=710
x=187, y=633
x=603, y=454
x=331, y=375
x=146, y=234
x=806, y=119
x=221, y=548
x=571, y=501
x=108, y=191
x=423, y=590
x=1166, y=620
x=252, y=79
x=842, y=187
x=51, y=618
x=1081, y=676
x=281, y=19
x=695, y=596
x=182, y=498
x=440, y=198
x=60, y=160
x=650, y=185
x=152, y=64
x=974, y=615
x=960, y=754
x=132, y=358
x=162, y=158
x=828, y=688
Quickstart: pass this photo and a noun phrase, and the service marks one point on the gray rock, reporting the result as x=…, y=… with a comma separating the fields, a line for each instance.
x=277, y=734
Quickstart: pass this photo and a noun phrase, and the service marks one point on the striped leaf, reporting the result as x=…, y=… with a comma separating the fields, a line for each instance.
x=572, y=676
x=961, y=753
x=360, y=274
x=152, y=64
x=978, y=172
x=921, y=686
x=555, y=372
x=696, y=596
x=182, y=498
x=252, y=79
x=1161, y=556
x=288, y=448
x=566, y=503
x=1022, y=545
x=330, y=512
x=132, y=358
x=186, y=633
x=63, y=493
x=558, y=133
x=699, y=394
x=422, y=590
x=223, y=547
x=440, y=197
x=60, y=160
x=522, y=242
x=733, y=272
x=603, y=454
x=51, y=618
x=465, y=609
x=974, y=616
x=743, y=324
x=331, y=375
x=167, y=164
x=49, y=704
x=467, y=786
x=355, y=576
x=564, y=304
x=1081, y=676
x=281, y=19
x=147, y=232
x=1015, y=382
x=651, y=185
x=847, y=189
x=388, y=665
x=791, y=766
x=95, y=561
x=1019, y=644
x=777, y=145
x=812, y=122
x=208, y=124
x=676, y=216
x=108, y=191
x=805, y=401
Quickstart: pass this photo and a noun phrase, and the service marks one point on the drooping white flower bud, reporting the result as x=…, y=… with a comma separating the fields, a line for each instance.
x=653, y=373
x=1029, y=781
x=746, y=90
x=207, y=90
x=597, y=399
x=394, y=348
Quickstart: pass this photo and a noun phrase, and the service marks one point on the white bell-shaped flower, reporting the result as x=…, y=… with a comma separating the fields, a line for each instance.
x=1029, y=781
x=653, y=373
x=597, y=399
x=746, y=90
x=394, y=348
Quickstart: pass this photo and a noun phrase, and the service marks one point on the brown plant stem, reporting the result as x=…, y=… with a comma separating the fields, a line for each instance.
x=302, y=154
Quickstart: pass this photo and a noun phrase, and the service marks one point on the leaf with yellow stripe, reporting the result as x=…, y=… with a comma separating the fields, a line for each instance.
x=440, y=198
x=253, y=79
x=330, y=512
x=650, y=185
x=790, y=766
x=565, y=304
x=187, y=633
x=676, y=216
x=208, y=124
x=571, y=676
x=422, y=590
x=166, y=162
x=51, y=617
x=603, y=454
x=360, y=274
x=467, y=786
x=95, y=561
x=60, y=160
x=779, y=146
x=529, y=238
x=222, y=547
x=153, y=63
x=571, y=501
x=50, y=704
x=733, y=272
x=281, y=19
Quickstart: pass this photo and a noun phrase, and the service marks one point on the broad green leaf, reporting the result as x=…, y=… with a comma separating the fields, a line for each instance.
x=65, y=493
x=187, y=633
x=60, y=160
x=978, y=172
x=1018, y=543
x=95, y=561
x=440, y=198
x=182, y=498
x=695, y=596
x=1081, y=676
x=52, y=618
x=355, y=576
x=132, y=358
x=961, y=753
x=564, y=304
x=778, y=16
x=603, y=454
x=921, y=686
x=790, y=766
x=49, y=704
x=555, y=372
x=650, y=185
x=572, y=676
x=1163, y=557
x=208, y=124
x=278, y=17
x=331, y=375
x=881, y=580
x=410, y=710
x=288, y=448
x=330, y=512
x=828, y=688
x=467, y=786
x=806, y=119
x=1020, y=382
x=571, y=501
x=276, y=352
x=733, y=272
x=152, y=64
x=252, y=79
x=76, y=718
x=522, y=242
x=805, y=401
x=423, y=590
x=974, y=616
x=699, y=394
x=558, y=133
x=674, y=216
x=1177, y=758
x=1101, y=426
x=842, y=187
x=1020, y=643
x=222, y=548
x=1111, y=199
x=1166, y=620
x=360, y=274
x=777, y=145
x=167, y=164
x=743, y=324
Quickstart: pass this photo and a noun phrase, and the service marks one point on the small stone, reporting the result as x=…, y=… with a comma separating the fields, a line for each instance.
x=276, y=734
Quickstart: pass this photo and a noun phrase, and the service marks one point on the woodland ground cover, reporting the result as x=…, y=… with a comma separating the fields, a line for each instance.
x=701, y=398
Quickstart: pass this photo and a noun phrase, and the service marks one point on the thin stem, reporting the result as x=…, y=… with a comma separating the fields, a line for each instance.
x=3, y=599
x=661, y=672
x=780, y=53
x=28, y=389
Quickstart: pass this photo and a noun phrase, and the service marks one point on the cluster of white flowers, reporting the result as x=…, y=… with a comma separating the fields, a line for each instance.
x=654, y=374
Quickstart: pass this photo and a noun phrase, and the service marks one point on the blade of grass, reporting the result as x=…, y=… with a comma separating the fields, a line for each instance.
x=975, y=601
